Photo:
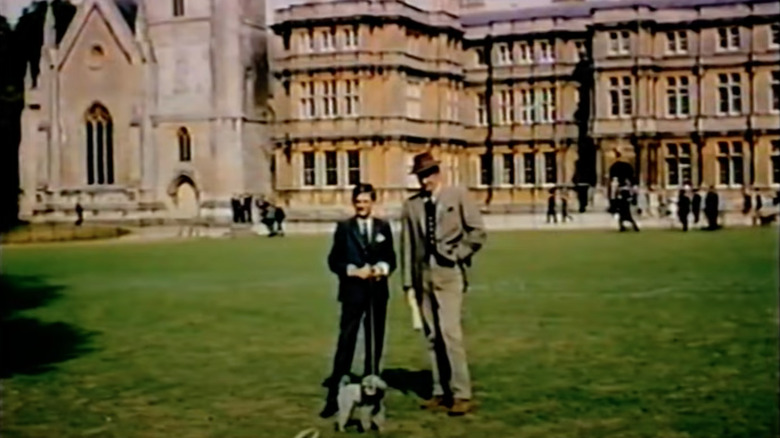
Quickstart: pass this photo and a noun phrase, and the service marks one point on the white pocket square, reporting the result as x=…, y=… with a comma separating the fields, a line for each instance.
x=380, y=238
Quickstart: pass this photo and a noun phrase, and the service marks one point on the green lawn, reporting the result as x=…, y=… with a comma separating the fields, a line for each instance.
x=573, y=334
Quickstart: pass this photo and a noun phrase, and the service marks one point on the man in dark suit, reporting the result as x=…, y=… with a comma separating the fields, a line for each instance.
x=363, y=258
x=711, y=208
x=683, y=208
x=696, y=206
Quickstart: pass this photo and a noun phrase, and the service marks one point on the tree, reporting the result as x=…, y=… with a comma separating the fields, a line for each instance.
x=20, y=48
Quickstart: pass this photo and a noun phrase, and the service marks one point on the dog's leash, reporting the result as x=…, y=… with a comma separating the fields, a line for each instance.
x=372, y=338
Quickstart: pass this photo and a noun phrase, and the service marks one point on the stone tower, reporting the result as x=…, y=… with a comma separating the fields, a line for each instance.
x=212, y=82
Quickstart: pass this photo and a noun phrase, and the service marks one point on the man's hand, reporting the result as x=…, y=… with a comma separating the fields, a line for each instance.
x=379, y=270
x=364, y=273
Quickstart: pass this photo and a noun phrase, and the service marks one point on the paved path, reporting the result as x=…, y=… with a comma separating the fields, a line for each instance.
x=495, y=222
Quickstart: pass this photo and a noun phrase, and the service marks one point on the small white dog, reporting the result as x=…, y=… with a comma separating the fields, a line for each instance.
x=362, y=401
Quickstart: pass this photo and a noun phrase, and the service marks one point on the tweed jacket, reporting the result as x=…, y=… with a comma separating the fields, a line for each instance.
x=460, y=232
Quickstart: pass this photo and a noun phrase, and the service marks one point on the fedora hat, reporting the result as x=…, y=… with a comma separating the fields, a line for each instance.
x=424, y=161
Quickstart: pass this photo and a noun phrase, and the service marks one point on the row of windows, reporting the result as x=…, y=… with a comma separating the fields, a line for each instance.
x=329, y=40
x=341, y=98
x=730, y=163
x=528, y=169
x=332, y=98
x=541, y=168
x=328, y=170
x=332, y=39
x=729, y=40
x=524, y=106
x=678, y=95
x=528, y=53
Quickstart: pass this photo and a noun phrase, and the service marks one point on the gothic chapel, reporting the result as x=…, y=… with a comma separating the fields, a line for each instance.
x=153, y=115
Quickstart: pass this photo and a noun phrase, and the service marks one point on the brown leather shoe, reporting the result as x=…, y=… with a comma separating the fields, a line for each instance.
x=460, y=407
x=435, y=403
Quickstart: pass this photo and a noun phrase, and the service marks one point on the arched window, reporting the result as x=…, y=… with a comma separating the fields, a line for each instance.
x=185, y=145
x=100, y=146
x=178, y=8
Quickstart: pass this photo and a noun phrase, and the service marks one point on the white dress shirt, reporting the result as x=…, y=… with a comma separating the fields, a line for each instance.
x=365, y=226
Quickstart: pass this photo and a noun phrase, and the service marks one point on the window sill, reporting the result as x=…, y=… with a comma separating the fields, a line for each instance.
x=674, y=117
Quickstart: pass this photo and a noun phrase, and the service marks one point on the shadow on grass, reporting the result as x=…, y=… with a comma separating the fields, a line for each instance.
x=27, y=345
x=406, y=381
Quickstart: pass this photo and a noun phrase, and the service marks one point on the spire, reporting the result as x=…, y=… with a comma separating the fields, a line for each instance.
x=49, y=27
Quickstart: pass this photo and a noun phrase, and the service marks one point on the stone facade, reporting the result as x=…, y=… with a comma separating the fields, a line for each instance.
x=159, y=117
x=685, y=92
x=170, y=114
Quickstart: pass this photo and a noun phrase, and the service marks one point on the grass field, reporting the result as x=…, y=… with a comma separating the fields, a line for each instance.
x=578, y=334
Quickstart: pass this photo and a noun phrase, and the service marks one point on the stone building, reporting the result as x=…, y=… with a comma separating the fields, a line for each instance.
x=160, y=113
x=170, y=111
x=683, y=92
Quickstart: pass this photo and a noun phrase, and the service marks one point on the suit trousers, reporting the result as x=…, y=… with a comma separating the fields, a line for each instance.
x=442, y=301
x=352, y=314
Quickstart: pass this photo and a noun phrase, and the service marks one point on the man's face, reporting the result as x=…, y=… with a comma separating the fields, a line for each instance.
x=429, y=181
x=363, y=205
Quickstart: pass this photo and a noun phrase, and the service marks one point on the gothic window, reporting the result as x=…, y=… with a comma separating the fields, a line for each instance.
x=178, y=8
x=100, y=146
x=185, y=145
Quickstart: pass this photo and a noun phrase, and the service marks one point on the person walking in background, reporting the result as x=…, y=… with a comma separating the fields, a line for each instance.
x=747, y=203
x=696, y=205
x=683, y=208
x=624, y=210
x=711, y=208
x=279, y=217
x=79, y=214
x=362, y=256
x=247, y=209
x=565, y=207
x=757, y=211
x=551, y=207
x=268, y=217
x=442, y=229
x=236, y=206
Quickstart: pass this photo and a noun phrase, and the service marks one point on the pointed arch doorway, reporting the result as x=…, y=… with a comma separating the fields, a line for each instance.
x=185, y=196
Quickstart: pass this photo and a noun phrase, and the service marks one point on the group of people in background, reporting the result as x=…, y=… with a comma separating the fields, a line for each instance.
x=688, y=203
x=271, y=215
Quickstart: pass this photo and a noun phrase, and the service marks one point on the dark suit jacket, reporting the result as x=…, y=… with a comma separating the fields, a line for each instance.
x=350, y=249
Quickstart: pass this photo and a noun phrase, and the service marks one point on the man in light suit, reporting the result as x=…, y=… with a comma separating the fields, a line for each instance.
x=363, y=258
x=441, y=230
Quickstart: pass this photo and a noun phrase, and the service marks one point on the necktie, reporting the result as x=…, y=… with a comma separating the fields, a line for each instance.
x=430, y=226
x=364, y=231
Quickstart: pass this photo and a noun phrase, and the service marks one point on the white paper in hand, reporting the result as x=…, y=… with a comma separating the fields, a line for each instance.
x=411, y=299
